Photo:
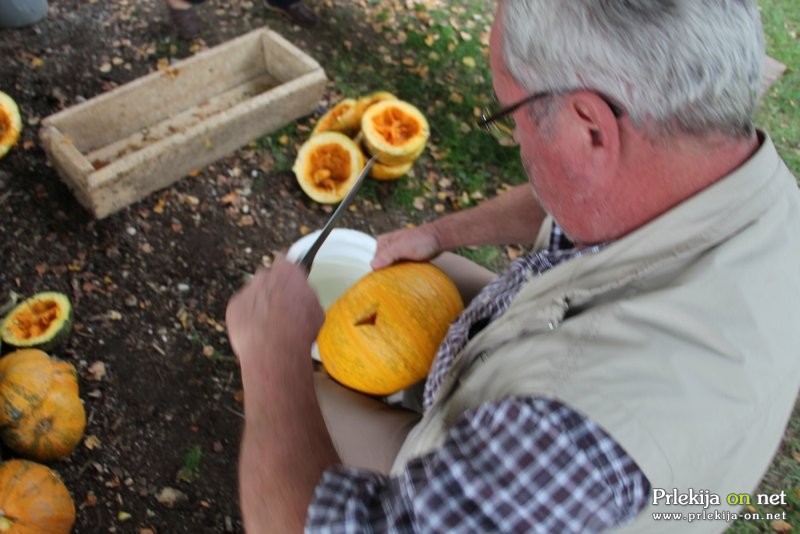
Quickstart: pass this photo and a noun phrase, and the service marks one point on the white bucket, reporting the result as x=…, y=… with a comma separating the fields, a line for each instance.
x=18, y=13
x=340, y=262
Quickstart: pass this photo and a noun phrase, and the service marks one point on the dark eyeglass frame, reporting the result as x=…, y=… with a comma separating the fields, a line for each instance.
x=487, y=122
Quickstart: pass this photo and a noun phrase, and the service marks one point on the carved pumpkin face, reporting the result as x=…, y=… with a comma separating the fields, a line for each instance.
x=382, y=334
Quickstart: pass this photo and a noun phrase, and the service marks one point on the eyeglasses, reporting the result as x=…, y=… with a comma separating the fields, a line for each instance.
x=501, y=123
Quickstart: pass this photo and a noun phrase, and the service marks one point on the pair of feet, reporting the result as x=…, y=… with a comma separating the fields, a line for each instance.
x=184, y=17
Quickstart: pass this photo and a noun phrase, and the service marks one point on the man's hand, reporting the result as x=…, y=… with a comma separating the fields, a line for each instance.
x=416, y=244
x=273, y=313
x=272, y=323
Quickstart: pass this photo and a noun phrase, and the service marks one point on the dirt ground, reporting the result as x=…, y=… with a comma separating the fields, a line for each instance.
x=149, y=284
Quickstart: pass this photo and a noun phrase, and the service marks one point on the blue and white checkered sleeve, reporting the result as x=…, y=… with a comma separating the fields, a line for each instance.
x=520, y=465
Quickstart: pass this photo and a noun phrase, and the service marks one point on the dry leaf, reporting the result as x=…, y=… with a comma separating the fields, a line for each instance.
x=159, y=207
x=230, y=198
x=779, y=525
x=97, y=371
x=92, y=442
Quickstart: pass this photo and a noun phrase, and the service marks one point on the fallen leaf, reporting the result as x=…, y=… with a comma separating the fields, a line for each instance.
x=90, y=499
x=123, y=516
x=781, y=526
x=92, y=442
x=97, y=371
x=170, y=496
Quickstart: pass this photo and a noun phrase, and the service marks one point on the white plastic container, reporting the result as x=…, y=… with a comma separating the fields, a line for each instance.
x=340, y=262
x=343, y=258
x=18, y=13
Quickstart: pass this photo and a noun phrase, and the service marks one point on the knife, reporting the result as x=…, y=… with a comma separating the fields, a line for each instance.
x=308, y=258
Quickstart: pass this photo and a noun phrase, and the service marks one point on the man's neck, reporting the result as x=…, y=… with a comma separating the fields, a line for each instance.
x=677, y=171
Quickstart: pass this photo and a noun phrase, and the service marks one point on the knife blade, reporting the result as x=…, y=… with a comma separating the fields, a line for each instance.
x=308, y=258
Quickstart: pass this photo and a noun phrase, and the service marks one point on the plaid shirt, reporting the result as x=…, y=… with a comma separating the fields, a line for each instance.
x=524, y=464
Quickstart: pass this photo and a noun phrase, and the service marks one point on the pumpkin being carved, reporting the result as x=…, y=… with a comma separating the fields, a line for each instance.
x=33, y=500
x=382, y=334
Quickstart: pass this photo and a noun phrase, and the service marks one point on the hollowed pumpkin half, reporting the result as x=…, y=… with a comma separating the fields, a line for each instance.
x=379, y=171
x=33, y=499
x=42, y=321
x=381, y=335
x=395, y=131
x=10, y=123
x=340, y=118
x=327, y=166
x=354, y=114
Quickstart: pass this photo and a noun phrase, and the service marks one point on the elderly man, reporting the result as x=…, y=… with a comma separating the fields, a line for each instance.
x=642, y=359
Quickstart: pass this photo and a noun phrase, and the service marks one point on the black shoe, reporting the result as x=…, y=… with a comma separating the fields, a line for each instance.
x=185, y=22
x=297, y=12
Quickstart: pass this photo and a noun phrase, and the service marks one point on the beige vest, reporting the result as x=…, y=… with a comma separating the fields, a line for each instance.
x=681, y=340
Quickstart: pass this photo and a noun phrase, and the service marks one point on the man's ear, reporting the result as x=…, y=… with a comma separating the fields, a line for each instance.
x=595, y=133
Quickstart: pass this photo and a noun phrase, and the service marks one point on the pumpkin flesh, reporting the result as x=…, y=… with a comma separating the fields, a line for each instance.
x=33, y=500
x=10, y=123
x=340, y=118
x=394, y=131
x=43, y=321
x=382, y=334
x=327, y=166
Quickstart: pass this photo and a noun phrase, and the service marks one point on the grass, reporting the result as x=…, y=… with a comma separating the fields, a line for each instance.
x=779, y=115
x=780, y=111
x=191, y=464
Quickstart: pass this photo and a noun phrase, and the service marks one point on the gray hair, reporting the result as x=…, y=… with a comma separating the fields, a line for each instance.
x=692, y=66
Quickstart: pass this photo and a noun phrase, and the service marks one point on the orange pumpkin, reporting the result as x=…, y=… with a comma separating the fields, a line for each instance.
x=340, y=118
x=25, y=377
x=382, y=334
x=50, y=431
x=10, y=123
x=33, y=500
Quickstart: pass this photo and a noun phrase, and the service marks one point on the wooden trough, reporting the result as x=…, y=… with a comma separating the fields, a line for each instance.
x=122, y=145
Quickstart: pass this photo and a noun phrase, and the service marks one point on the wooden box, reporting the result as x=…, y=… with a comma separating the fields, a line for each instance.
x=120, y=146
